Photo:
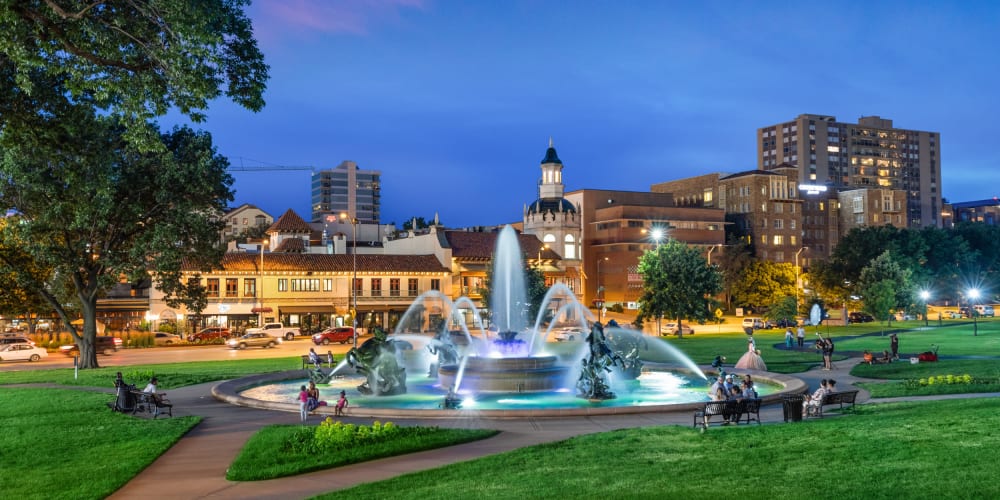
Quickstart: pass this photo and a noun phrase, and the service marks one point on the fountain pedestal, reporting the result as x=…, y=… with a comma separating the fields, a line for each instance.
x=525, y=374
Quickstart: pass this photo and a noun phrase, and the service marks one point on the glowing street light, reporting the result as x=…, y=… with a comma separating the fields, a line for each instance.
x=973, y=295
x=354, y=281
x=924, y=296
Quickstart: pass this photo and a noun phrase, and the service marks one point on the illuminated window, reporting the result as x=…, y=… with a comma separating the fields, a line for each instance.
x=232, y=287
x=779, y=239
x=376, y=287
x=249, y=287
x=570, y=247
x=212, y=287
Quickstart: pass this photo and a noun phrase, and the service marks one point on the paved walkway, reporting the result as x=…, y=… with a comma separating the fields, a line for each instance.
x=196, y=466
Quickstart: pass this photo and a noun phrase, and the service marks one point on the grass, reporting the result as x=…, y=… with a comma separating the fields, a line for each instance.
x=936, y=449
x=271, y=452
x=953, y=340
x=60, y=443
x=170, y=375
x=981, y=369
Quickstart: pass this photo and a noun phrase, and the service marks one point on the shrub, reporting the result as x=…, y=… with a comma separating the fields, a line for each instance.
x=331, y=435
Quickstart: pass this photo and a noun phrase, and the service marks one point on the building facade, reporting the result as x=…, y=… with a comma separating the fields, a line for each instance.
x=869, y=154
x=871, y=207
x=346, y=189
x=244, y=219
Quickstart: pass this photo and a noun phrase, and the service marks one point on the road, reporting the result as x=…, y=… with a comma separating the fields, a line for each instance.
x=181, y=354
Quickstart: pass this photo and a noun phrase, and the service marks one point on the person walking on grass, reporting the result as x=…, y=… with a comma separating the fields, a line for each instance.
x=801, y=335
x=788, y=337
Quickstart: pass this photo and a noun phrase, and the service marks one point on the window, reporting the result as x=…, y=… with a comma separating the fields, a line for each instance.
x=327, y=284
x=708, y=196
x=212, y=287
x=250, y=287
x=779, y=223
x=232, y=287
x=436, y=284
x=394, y=287
x=376, y=287
x=358, y=286
x=305, y=285
x=791, y=224
x=779, y=240
x=282, y=284
x=411, y=287
x=570, y=247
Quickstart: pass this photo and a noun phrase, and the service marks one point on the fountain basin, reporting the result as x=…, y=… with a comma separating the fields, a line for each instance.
x=510, y=375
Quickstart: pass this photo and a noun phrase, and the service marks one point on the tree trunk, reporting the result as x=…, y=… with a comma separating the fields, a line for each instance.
x=88, y=338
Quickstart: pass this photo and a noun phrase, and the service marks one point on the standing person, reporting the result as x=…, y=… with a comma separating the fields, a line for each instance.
x=329, y=358
x=303, y=400
x=801, y=335
x=894, y=345
x=751, y=359
x=788, y=337
x=341, y=404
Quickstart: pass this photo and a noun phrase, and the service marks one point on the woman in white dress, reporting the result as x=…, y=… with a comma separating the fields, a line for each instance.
x=751, y=360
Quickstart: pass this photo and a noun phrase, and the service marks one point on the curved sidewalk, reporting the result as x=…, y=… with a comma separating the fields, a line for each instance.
x=195, y=467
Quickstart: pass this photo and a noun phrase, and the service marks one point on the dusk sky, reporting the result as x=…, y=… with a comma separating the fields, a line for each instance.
x=454, y=102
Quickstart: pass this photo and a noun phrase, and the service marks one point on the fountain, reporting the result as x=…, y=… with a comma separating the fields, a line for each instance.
x=509, y=368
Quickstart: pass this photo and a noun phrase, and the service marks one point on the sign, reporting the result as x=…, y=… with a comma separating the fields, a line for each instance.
x=718, y=313
x=812, y=188
x=223, y=308
x=631, y=305
x=739, y=312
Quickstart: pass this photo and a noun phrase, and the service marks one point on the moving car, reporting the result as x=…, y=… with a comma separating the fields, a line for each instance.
x=164, y=338
x=102, y=344
x=671, y=329
x=14, y=339
x=253, y=339
x=210, y=333
x=567, y=334
x=342, y=334
x=859, y=317
x=21, y=352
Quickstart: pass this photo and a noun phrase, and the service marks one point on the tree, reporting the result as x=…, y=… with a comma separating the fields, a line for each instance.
x=784, y=308
x=763, y=283
x=736, y=257
x=96, y=208
x=137, y=59
x=677, y=283
x=885, y=285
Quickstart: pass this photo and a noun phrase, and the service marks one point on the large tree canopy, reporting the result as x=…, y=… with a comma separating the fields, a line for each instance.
x=136, y=58
x=94, y=209
x=763, y=283
x=677, y=283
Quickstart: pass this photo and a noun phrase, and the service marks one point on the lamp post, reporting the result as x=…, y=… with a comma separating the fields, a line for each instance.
x=543, y=247
x=354, y=280
x=260, y=288
x=973, y=295
x=924, y=295
x=600, y=292
x=708, y=256
x=797, y=284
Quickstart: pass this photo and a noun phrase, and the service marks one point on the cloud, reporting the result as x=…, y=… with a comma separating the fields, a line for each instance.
x=274, y=20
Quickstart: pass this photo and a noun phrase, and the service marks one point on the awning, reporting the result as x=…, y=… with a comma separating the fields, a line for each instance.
x=258, y=310
x=317, y=309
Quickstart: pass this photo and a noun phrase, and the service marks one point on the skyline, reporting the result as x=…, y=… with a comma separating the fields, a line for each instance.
x=632, y=94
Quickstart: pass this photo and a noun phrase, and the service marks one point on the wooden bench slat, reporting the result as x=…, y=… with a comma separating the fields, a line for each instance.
x=750, y=408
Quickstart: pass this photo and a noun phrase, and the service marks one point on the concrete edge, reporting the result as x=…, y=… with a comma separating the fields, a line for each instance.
x=229, y=392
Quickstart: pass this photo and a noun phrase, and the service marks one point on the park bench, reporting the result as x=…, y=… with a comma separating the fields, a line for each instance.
x=322, y=360
x=743, y=409
x=146, y=403
x=833, y=398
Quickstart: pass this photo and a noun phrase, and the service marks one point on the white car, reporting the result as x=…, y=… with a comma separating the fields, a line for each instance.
x=164, y=338
x=22, y=352
x=568, y=334
x=671, y=329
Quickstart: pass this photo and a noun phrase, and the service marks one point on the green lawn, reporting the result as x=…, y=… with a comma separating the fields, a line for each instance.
x=952, y=340
x=279, y=451
x=938, y=449
x=170, y=375
x=61, y=443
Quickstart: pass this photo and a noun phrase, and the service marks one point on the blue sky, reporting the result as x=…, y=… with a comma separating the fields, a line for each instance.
x=454, y=102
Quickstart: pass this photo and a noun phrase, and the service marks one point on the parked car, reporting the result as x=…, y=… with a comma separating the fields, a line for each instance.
x=210, y=333
x=960, y=313
x=102, y=343
x=342, y=334
x=21, y=352
x=164, y=338
x=15, y=339
x=753, y=323
x=672, y=329
x=859, y=317
x=253, y=339
x=568, y=334
x=984, y=310
x=786, y=323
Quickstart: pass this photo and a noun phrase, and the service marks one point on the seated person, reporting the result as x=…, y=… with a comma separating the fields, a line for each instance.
x=717, y=394
x=159, y=399
x=816, y=400
x=868, y=358
x=886, y=357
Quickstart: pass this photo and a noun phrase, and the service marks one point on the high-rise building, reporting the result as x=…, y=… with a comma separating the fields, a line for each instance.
x=346, y=189
x=868, y=154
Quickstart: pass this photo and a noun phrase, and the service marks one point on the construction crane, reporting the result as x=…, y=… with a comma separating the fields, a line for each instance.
x=242, y=167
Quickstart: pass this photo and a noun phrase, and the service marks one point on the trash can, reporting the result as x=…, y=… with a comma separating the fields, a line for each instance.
x=791, y=406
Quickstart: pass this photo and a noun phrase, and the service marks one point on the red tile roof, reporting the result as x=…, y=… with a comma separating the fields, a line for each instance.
x=480, y=246
x=293, y=262
x=290, y=222
x=291, y=245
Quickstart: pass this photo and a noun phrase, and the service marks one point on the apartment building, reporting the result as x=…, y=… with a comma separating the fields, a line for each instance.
x=346, y=189
x=871, y=207
x=871, y=153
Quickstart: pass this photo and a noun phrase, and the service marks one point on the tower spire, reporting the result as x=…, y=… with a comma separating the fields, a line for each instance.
x=550, y=141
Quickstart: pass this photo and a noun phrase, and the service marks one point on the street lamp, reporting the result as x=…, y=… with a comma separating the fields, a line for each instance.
x=708, y=257
x=354, y=280
x=924, y=295
x=600, y=292
x=655, y=233
x=543, y=247
x=973, y=295
x=797, y=283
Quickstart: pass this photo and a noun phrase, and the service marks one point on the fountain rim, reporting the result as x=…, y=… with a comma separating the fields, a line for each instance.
x=229, y=392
